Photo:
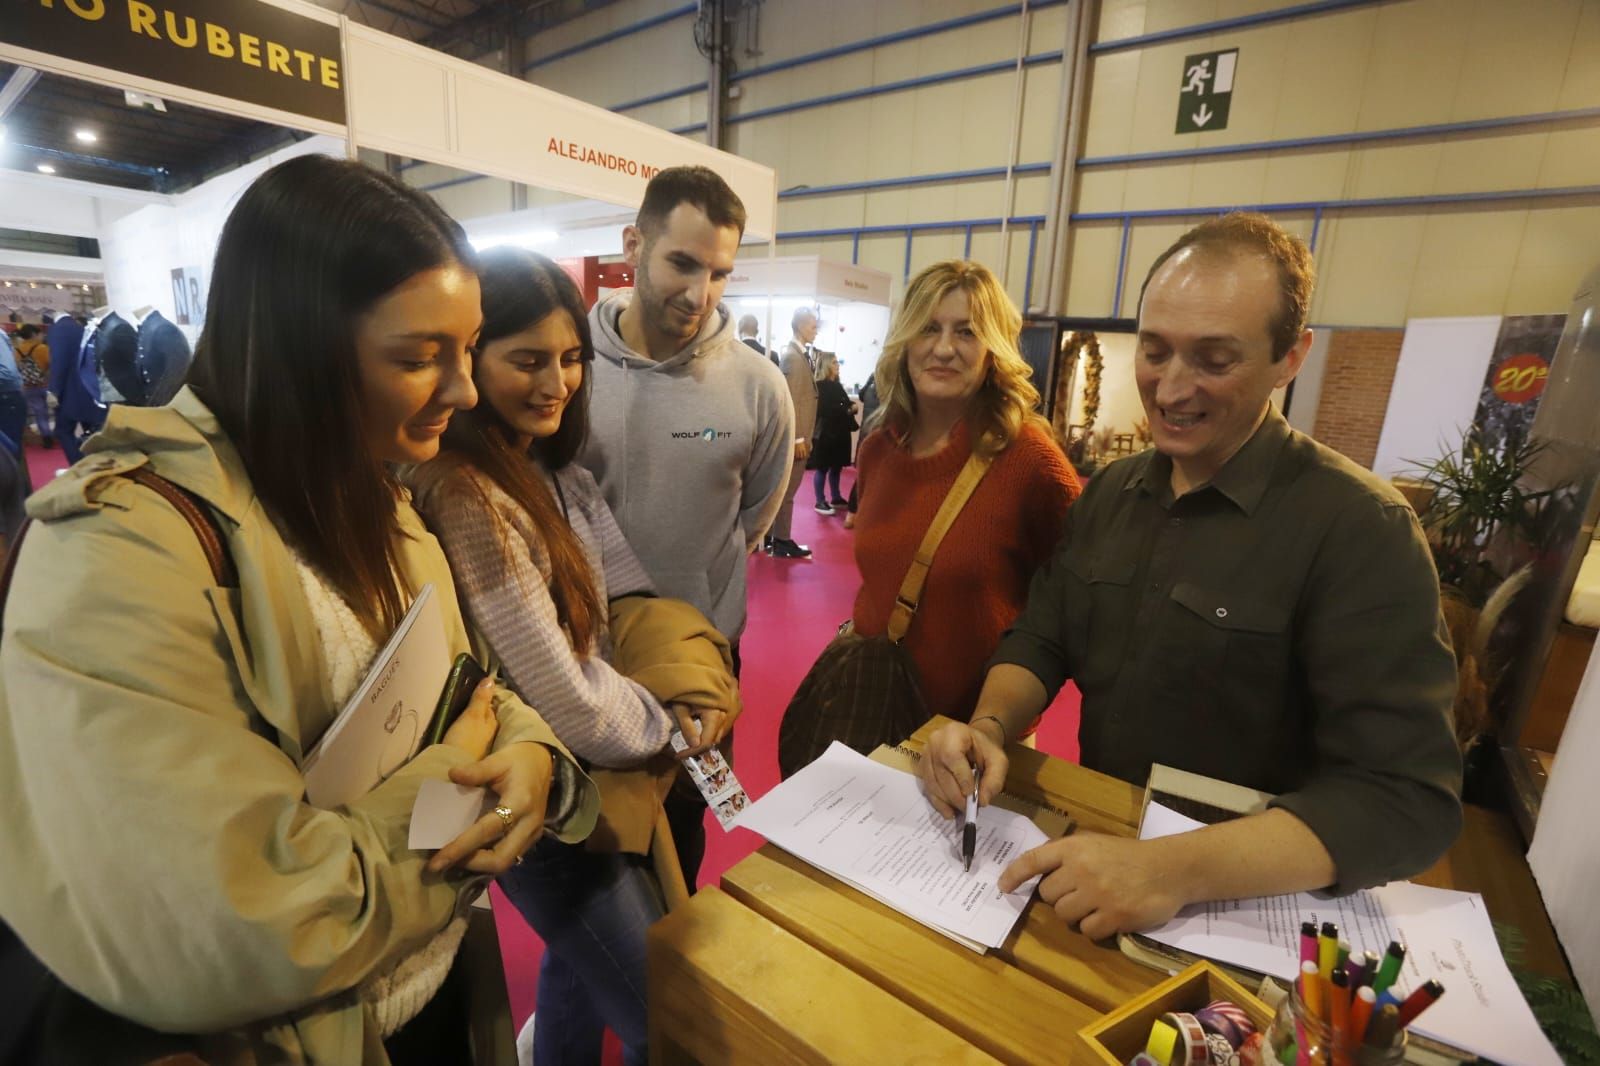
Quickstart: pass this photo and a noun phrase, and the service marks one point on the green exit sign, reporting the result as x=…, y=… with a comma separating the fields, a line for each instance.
x=1206, y=91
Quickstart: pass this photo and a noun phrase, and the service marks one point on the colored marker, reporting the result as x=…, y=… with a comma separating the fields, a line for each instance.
x=1391, y=998
x=1419, y=1001
x=1355, y=970
x=1339, y=1015
x=1327, y=949
x=1384, y=1027
x=1369, y=968
x=1390, y=968
x=1344, y=954
x=1308, y=942
x=1361, y=1013
x=1311, y=990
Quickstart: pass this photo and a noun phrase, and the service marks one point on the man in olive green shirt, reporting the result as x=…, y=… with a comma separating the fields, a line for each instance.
x=1240, y=602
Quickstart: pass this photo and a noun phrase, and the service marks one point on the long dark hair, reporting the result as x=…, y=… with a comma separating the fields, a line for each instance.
x=311, y=244
x=520, y=289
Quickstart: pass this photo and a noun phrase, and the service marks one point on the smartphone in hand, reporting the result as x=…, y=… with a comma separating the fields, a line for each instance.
x=465, y=674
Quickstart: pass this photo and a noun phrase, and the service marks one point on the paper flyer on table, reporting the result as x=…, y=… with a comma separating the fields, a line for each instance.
x=1447, y=935
x=870, y=825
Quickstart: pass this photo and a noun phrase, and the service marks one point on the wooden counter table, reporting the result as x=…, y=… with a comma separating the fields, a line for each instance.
x=787, y=964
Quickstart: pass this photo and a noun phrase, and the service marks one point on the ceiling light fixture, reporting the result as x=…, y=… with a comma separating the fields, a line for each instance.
x=45, y=168
x=85, y=136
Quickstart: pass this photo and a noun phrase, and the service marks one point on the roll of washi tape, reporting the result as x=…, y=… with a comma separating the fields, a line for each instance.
x=1192, y=1050
x=1253, y=1051
x=1221, y=1052
x=1163, y=1041
x=1143, y=1059
x=1226, y=1019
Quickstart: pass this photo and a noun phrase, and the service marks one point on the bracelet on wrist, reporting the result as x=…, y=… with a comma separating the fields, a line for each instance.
x=990, y=718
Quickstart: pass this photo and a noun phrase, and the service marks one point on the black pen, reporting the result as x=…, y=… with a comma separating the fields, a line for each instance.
x=969, y=832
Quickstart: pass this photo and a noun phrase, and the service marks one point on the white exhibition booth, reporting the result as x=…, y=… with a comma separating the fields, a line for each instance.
x=852, y=304
x=401, y=98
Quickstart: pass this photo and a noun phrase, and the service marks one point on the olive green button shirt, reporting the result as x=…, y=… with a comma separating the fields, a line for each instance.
x=1278, y=628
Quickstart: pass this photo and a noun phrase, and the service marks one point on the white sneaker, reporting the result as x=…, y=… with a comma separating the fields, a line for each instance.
x=823, y=508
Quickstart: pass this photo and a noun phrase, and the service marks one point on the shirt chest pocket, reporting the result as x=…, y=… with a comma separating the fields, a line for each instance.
x=1100, y=618
x=1225, y=642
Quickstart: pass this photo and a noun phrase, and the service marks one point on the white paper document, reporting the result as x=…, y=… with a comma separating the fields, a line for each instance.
x=443, y=811
x=871, y=826
x=1447, y=936
x=380, y=727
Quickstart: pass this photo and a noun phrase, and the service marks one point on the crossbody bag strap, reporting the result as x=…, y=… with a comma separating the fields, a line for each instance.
x=905, y=604
x=197, y=514
x=200, y=519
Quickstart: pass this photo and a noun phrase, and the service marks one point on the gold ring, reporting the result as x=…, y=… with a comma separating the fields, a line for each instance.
x=507, y=819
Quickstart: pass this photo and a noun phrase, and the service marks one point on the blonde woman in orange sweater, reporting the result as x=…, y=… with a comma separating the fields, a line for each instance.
x=952, y=382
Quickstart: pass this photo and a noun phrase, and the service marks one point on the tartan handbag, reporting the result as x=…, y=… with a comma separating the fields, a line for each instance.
x=863, y=691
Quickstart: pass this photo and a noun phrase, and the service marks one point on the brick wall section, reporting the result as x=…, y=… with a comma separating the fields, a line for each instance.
x=1355, y=391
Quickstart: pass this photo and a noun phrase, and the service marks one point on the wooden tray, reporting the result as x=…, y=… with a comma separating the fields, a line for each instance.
x=1121, y=1034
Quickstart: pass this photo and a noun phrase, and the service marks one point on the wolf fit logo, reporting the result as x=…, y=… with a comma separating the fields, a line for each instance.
x=708, y=434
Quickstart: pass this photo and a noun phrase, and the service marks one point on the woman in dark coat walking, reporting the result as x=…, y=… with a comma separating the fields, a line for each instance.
x=830, y=447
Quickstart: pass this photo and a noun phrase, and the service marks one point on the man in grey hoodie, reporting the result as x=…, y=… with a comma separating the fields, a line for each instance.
x=690, y=439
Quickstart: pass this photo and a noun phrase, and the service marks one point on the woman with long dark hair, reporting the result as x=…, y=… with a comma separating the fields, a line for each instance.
x=547, y=577
x=165, y=864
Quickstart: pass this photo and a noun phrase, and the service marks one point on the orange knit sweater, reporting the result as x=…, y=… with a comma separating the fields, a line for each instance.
x=978, y=583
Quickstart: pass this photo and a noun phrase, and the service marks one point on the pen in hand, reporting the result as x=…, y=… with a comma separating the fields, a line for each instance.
x=969, y=831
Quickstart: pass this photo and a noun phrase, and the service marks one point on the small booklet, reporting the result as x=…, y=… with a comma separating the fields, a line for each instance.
x=381, y=726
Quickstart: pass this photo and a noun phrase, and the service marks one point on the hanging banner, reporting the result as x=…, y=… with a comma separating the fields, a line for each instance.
x=246, y=50
x=1518, y=371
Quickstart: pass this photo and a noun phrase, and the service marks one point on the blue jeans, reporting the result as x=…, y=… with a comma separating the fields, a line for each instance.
x=591, y=910
x=832, y=475
x=39, y=407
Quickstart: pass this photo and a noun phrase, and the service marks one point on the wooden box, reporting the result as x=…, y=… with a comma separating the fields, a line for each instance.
x=1120, y=1035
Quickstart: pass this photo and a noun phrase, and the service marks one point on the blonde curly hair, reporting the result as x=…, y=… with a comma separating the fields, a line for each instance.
x=1006, y=400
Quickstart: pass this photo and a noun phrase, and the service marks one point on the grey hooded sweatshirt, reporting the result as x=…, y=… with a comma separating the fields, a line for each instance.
x=692, y=454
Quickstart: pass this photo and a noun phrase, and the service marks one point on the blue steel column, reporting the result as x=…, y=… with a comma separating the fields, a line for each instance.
x=1122, y=266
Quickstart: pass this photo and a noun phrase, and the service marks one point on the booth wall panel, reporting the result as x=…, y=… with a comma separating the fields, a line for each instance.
x=1559, y=244
x=28, y=202
x=956, y=125
x=1365, y=266
x=1571, y=156
x=1130, y=18
x=1581, y=87
x=474, y=199
x=1091, y=246
x=1453, y=276
x=1436, y=388
x=1370, y=67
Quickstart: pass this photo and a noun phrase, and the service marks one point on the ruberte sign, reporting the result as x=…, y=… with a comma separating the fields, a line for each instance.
x=244, y=50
